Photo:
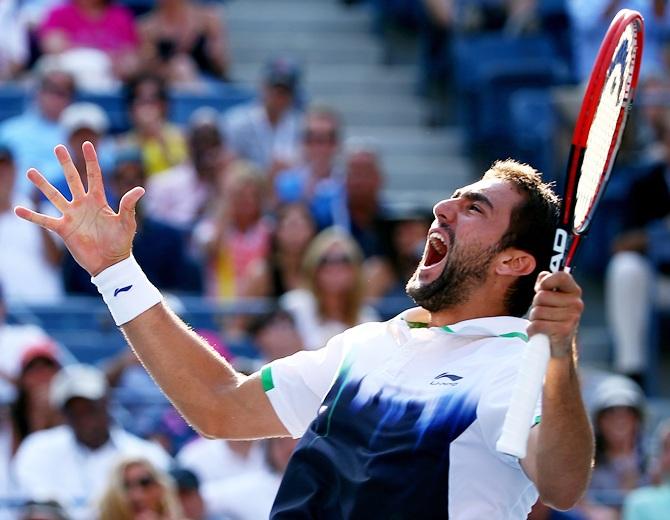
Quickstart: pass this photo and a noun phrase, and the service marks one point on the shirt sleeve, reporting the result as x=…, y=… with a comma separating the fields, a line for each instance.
x=296, y=385
x=493, y=405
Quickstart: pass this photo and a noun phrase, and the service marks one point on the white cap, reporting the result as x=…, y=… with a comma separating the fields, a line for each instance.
x=77, y=380
x=84, y=115
x=618, y=391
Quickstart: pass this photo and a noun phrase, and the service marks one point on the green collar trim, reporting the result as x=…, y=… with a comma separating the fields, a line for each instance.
x=447, y=328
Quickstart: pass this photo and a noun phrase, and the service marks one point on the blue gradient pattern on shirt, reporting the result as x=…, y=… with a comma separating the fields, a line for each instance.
x=376, y=451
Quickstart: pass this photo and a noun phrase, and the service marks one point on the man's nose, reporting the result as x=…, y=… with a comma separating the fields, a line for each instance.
x=445, y=211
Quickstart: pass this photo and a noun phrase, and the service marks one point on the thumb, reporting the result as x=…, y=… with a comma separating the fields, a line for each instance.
x=128, y=203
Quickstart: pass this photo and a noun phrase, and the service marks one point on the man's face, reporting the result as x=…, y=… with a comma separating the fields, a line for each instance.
x=89, y=421
x=55, y=94
x=320, y=140
x=363, y=180
x=277, y=98
x=7, y=177
x=462, y=243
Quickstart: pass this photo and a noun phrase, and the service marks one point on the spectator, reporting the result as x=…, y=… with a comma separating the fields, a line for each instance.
x=15, y=341
x=653, y=502
x=138, y=490
x=275, y=336
x=98, y=25
x=332, y=298
x=267, y=132
x=30, y=257
x=362, y=213
x=33, y=135
x=14, y=45
x=618, y=410
x=32, y=411
x=317, y=180
x=183, y=40
x=280, y=271
x=236, y=235
x=160, y=247
x=217, y=459
x=162, y=143
x=83, y=450
x=43, y=510
x=630, y=277
x=188, y=489
x=183, y=194
x=250, y=496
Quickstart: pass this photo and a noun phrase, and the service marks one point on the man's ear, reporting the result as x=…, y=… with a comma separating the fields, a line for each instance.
x=515, y=262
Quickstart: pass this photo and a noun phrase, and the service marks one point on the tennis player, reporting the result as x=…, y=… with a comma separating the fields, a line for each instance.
x=398, y=419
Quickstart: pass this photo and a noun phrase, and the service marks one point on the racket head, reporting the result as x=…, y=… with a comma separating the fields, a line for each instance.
x=600, y=124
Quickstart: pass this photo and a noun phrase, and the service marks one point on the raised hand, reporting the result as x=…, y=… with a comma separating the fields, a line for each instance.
x=95, y=234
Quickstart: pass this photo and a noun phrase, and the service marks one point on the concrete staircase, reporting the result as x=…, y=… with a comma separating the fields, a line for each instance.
x=343, y=68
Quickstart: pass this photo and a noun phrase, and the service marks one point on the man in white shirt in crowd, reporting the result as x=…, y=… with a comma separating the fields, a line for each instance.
x=71, y=463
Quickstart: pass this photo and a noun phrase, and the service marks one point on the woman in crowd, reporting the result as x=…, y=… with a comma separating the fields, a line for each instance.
x=183, y=41
x=281, y=271
x=331, y=299
x=136, y=491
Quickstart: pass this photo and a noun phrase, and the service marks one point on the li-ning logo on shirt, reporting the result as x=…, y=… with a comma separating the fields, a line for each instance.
x=446, y=379
x=122, y=289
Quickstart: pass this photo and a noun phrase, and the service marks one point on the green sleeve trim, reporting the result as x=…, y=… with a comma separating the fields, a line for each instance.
x=537, y=420
x=519, y=335
x=266, y=378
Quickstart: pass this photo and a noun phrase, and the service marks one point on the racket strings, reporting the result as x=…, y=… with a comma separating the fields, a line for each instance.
x=605, y=131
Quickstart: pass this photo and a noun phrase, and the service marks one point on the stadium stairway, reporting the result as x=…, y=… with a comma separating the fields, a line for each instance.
x=342, y=62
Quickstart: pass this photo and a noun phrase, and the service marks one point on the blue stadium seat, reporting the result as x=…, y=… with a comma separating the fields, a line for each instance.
x=13, y=100
x=114, y=105
x=183, y=104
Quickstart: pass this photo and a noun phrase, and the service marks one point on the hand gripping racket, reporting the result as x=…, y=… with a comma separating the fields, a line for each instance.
x=595, y=142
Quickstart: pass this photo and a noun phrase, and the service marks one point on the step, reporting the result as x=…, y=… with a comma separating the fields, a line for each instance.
x=309, y=55
x=421, y=140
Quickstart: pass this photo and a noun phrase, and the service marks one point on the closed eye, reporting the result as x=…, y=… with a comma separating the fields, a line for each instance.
x=475, y=208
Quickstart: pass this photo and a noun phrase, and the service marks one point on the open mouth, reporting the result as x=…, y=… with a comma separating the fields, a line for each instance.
x=437, y=249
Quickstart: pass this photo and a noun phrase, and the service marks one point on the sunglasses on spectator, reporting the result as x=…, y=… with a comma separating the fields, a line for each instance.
x=143, y=482
x=312, y=137
x=336, y=259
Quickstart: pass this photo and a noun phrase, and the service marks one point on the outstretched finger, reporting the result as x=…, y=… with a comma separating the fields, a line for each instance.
x=55, y=197
x=93, y=172
x=128, y=203
x=70, y=171
x=45, y=221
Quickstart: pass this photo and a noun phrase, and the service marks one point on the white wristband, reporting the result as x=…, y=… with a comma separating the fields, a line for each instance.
x=126, y=290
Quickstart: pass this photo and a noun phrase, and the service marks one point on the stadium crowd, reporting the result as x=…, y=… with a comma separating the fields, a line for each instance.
x=267, y=201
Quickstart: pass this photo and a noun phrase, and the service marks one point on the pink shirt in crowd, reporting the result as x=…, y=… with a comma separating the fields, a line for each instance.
x=112, y=32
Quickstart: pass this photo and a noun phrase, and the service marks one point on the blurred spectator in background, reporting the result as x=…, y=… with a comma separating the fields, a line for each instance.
x=250, y=496
x=103, y=29
x=32, y=410
x=235, y=235
x=590, y=20
x=161, y=248
x=14, y=44
x=182, y=41
x=138, y=490
x=620, y=464
x=633, y=284
x=331, y=300
x=81, y=122
x=318, y=179
x=281, y=270
x=188, y=490
x=653, y=502
x=267, y=132
x=406, y=231
x=218, y=459
x=81, y=452
x=30, y=257
x=275, y=336
x=183, y=194
x=362, y=213
x=33, y=135
x=15, y=341
x=162, y=143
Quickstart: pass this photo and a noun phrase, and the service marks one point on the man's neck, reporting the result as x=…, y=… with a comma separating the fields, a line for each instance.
x=482, y=303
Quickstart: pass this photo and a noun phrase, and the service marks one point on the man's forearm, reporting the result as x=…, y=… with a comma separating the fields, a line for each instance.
x=564, y=449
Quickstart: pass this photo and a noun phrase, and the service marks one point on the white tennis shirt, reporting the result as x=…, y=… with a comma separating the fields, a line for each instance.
x=400, y=421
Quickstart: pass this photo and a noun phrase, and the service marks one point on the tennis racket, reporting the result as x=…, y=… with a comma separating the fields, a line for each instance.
x=595, y=142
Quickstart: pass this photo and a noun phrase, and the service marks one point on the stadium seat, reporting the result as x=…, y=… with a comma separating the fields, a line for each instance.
x=13, y=100
x=183, y=104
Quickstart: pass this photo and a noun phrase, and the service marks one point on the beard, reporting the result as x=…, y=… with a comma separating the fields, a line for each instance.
x=464, y=270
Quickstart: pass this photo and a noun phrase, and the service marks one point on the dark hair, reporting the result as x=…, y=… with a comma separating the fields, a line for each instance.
x=133, y=85
x=531, y=227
